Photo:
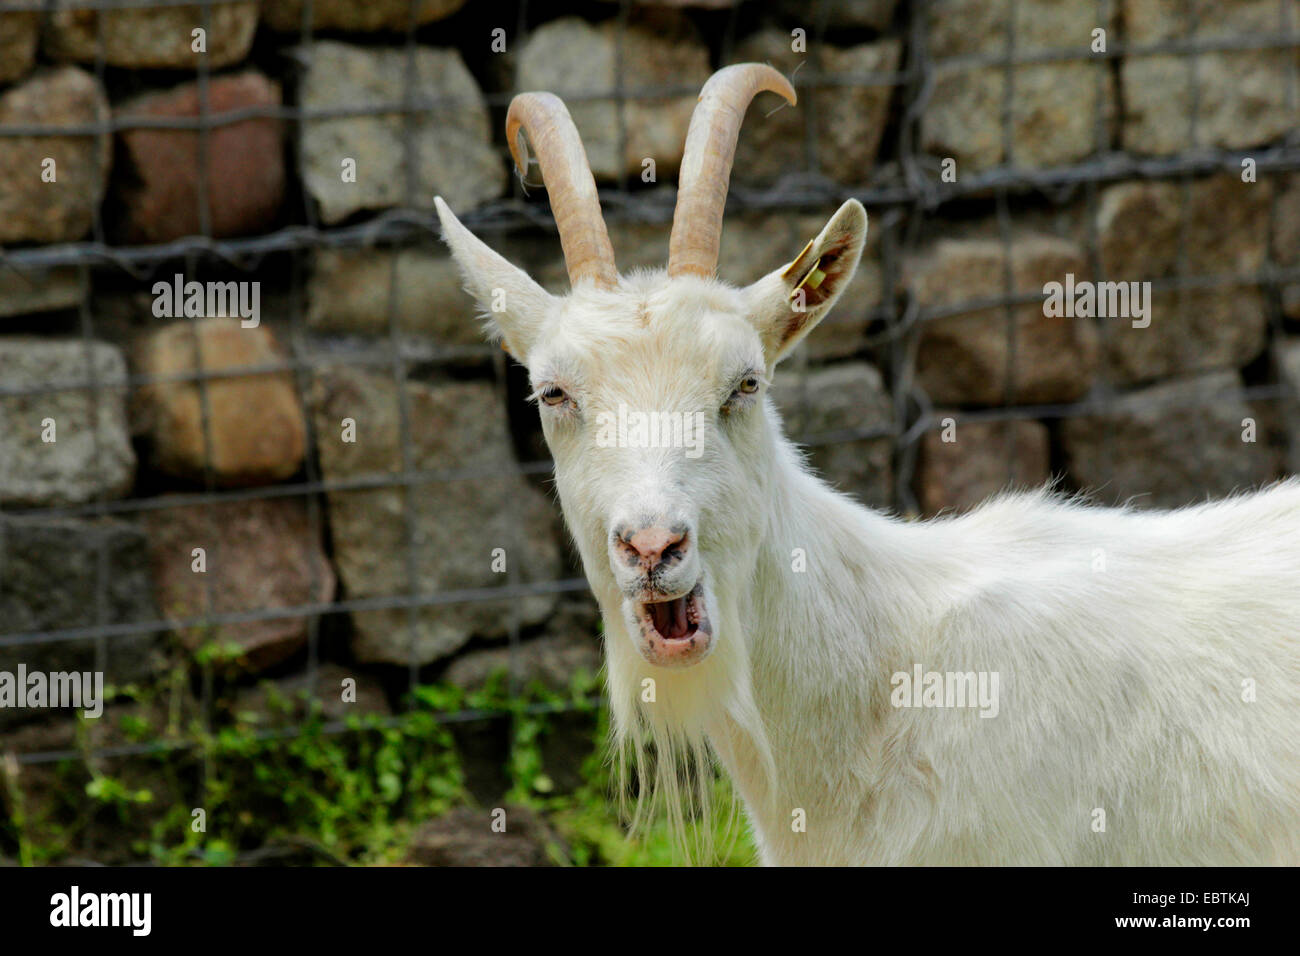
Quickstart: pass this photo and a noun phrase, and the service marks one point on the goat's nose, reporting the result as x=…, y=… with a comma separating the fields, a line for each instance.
x=649, y=547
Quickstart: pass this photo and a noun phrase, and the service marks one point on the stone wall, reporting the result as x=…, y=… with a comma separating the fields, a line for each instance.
x=310, y=162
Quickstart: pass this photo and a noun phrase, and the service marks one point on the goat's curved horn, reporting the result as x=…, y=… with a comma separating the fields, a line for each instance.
x=555, y=142
x=706, y=163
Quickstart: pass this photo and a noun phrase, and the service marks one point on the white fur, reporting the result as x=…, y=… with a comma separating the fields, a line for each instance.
x=1121, y=688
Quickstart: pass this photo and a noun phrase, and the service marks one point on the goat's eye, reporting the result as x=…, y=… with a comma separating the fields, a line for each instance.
x=552, y=395
x=740, y=395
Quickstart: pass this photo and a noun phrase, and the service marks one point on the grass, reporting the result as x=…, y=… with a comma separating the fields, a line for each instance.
x=237, y=792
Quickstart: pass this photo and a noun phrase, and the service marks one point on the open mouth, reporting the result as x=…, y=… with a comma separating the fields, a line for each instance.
x=677, y=632
x=675, y=620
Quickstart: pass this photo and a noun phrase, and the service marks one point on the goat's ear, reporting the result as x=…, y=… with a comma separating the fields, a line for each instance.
x=785, y=305
x=514, y=304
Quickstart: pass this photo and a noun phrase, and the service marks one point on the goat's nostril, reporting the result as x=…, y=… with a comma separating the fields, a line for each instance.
x=653, y=546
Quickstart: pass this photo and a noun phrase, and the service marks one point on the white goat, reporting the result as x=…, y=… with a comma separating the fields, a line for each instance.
x=1147, y=665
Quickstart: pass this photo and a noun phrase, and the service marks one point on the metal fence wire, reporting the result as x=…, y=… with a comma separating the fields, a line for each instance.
x=907, y=197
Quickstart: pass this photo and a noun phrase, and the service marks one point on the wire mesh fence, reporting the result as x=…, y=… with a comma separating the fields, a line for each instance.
x=915, y=191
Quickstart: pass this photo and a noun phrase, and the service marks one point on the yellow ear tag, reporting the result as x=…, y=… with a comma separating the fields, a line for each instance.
x=797, y=259
x=812, y=278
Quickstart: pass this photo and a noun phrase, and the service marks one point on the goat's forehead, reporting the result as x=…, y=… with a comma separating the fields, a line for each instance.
x=595, y=336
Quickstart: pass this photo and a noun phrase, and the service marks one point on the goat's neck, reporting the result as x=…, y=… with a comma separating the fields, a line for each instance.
x=817, y=638
x=815, y=599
